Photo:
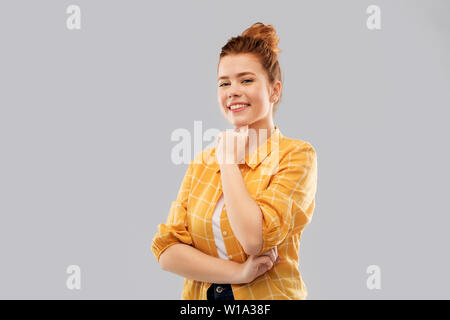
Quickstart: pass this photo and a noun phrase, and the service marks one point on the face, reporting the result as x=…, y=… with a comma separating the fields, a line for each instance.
x=241, y=78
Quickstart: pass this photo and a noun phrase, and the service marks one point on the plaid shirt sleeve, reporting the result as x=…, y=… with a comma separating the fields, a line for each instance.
x=289, y=193
x=174, y=230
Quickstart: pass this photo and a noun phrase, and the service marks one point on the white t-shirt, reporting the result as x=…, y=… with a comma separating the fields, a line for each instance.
x=220, y=244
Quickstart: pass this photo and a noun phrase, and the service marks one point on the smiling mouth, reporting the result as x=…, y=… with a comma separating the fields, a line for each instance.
x=237, y=107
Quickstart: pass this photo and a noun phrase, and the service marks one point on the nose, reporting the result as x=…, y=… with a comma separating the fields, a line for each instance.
x=234, y=91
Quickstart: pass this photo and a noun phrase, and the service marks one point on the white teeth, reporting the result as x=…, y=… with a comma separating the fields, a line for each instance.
x=237, y=106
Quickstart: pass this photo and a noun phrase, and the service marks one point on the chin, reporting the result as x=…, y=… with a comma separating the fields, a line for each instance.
x=240, y=123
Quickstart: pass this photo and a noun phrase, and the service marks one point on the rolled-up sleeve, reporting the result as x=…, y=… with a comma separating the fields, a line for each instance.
x=289, y=194
x=175, y=229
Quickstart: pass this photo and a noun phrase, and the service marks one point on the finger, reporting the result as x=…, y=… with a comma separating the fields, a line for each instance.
x=261, y=270
x=274, y=254
x=263, y=259
x=264, y=266
x=270, y=264
x=268, y=254
x=271, y=254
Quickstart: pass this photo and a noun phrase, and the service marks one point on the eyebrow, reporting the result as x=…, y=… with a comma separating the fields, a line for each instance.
x=240, y=74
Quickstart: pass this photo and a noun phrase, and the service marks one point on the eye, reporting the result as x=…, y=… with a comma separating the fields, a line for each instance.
x=225, y=83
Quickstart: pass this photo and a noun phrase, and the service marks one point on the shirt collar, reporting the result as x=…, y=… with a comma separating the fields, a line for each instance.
x=256, y=157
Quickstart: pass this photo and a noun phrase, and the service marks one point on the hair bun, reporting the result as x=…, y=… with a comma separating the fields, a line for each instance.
x=266, y=32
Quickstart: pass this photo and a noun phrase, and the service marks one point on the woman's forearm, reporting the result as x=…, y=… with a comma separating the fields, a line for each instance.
x=243, y=212
x=191, y=263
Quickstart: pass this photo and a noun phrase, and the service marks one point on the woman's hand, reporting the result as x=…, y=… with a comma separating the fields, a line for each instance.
x=226, y=142
x=258, y=265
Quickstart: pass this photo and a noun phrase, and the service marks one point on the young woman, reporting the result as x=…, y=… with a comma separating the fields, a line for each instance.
x=234, y=230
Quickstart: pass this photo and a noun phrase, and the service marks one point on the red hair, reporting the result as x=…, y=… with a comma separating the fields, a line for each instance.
x=262, y=41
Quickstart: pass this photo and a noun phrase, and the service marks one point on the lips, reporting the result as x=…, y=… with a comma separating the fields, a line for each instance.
x=232, y=104
x=238, y=103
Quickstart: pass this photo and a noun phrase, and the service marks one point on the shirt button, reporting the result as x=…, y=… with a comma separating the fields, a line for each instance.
x=224, y=233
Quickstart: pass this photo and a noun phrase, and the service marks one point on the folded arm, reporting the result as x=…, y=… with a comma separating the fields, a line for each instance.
x=189, y=262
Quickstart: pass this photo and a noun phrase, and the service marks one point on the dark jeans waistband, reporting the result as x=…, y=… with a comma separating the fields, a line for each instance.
x=220, y=292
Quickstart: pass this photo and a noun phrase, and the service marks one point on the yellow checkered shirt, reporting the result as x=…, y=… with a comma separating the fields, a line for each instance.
x=281, y=176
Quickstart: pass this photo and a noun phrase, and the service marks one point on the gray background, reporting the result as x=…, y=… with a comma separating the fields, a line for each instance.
x=86, y=118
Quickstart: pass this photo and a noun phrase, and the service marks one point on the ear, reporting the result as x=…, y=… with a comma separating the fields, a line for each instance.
x=276, y=91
